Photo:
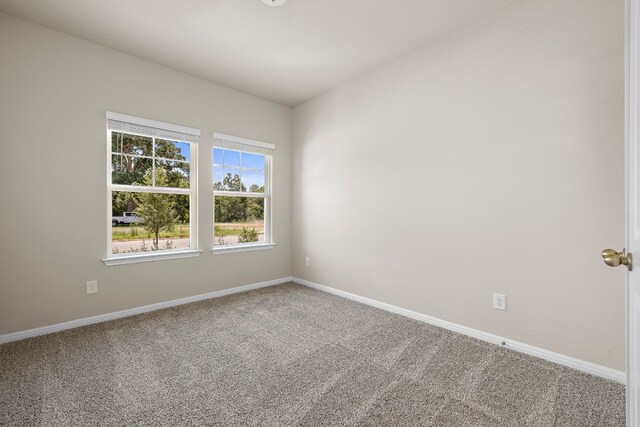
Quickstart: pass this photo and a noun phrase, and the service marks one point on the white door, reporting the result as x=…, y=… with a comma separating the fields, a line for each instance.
x=632, y=238
x=633, y=210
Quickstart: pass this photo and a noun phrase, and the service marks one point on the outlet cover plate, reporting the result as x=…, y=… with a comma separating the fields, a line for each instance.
x=92, y=286
x=500, y=301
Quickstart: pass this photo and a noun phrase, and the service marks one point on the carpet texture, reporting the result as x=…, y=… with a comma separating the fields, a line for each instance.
x=288, y=355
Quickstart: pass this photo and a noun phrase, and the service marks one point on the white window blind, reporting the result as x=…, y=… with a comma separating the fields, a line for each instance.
x=242, y=144
x=135, y=125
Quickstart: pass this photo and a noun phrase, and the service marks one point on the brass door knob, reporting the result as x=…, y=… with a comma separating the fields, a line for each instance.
x=614, y=258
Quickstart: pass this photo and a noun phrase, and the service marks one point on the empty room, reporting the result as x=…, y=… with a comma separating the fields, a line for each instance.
x=320, y=213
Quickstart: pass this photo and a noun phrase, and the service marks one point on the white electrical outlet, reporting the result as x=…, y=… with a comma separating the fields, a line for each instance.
x=500, y=301
x=92, y=286
x=307, y=262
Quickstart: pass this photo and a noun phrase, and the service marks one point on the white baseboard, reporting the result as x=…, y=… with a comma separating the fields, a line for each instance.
x=15, y=336
x=571, y=362
x=580, y=365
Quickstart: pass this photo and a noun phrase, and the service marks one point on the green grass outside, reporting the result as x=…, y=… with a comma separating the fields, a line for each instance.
x=124, y=233
x=235, y=228
x=180, y=231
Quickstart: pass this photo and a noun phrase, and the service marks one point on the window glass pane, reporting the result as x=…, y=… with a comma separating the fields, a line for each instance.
x=116, y=142
x=173, y=150
x=217, y=157
x=172, y=174
x=130, y=170
x=145, y=222
x=252, y=161
x=218, y=177
x=253, y=180
x=231, y=158
x=131, y=144
x=227, y=179
x=238, y=220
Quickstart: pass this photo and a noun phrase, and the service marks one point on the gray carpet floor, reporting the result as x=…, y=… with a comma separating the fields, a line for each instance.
x=288, y=355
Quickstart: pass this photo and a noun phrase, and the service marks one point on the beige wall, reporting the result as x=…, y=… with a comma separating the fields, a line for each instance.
x=491, y=161
x=54, y=91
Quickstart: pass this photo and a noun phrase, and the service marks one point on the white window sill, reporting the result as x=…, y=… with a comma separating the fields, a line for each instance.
x=241, y=248
x=148, y=257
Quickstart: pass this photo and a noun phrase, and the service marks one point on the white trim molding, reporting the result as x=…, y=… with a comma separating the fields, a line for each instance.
x=148, y=123
x=222, y=138
x=227, y=249
x=148, y=257
x=15, y=336
x=571, y=362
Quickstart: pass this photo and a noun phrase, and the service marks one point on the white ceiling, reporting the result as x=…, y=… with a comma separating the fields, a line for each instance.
x=287, y=54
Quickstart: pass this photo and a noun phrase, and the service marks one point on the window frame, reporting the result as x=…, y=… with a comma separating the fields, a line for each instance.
x=192, y=191
x=221, y=141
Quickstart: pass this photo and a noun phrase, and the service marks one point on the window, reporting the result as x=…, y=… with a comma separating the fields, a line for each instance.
x=151, y=187
x=241, y=192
